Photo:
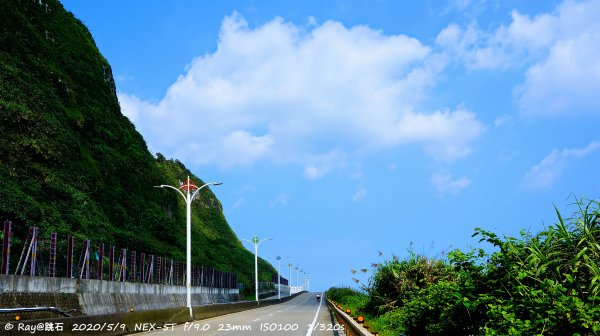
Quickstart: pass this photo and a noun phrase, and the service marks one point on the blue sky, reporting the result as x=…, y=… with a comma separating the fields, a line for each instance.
x=344, y=128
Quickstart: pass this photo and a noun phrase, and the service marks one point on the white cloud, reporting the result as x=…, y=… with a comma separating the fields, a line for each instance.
x=313, y=95
x=560, y=50
x=238, y=203
x=445, y=183
x=545, y=173
x=281, y=199
x=502, y=120
x=360, y=195
x=565, y=83
x=316, y=166
x=473, y=7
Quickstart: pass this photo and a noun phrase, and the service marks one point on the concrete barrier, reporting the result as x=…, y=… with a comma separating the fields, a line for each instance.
x=100, y=297
x=132, y=322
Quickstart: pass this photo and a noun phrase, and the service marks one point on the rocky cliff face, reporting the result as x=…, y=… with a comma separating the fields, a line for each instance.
x=71, y=163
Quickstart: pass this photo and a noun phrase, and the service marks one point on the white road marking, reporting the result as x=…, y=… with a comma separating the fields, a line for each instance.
x=312, y=325
x=256, y=320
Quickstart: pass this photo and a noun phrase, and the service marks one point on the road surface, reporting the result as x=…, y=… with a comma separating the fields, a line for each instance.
x=301, y=316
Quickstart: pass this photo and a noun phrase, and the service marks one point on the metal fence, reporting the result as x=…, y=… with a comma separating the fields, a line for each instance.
x=81, y=259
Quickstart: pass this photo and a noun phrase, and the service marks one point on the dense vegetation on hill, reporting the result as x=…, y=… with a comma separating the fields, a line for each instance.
x=71, y=163
x=546, y=283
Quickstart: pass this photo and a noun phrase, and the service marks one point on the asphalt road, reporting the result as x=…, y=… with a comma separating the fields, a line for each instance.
x=301, y=316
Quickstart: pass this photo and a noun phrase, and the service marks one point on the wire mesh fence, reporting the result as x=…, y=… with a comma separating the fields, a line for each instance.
x=34, y=254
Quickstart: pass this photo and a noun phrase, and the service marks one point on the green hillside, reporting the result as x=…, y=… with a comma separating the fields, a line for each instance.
x=71, y=163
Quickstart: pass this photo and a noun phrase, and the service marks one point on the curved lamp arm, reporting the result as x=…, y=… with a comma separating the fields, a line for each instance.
x=168, y=186
x=255, y=244
x=206, y=184
x=263, y=241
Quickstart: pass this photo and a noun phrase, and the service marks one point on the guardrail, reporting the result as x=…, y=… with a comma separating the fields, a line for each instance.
x=352, y=327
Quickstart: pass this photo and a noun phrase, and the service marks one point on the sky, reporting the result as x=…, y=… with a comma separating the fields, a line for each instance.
x=346, y=129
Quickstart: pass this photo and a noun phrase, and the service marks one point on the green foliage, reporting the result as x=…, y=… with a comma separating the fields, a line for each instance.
x=395, y=281
x=71, y=163
x=538, y=284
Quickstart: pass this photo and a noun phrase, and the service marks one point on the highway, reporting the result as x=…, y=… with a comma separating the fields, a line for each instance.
x=301, y=316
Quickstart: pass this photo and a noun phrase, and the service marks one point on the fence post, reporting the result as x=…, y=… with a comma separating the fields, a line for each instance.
x=111, y=262
x=100, y=261
x=142, y=267
x=176, y=280
x=52, y=265
x=123, y=265
x=133, y=276
x=70, y=257
x=85, y=268
x=34, y=244
x=6, y=247
x=151, y=269
x=159, y=270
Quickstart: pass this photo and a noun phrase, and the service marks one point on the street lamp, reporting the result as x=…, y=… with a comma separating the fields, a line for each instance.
x=256, y=242
x=290, y=278
x=278, y=277
x=297, y=266
x=188, y=196
x=304, y=280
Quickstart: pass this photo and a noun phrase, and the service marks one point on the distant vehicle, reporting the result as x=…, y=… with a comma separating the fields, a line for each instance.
x=318, y=297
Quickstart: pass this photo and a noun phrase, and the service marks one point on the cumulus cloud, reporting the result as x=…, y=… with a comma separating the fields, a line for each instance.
x=445, y=183
x=312, y=95
x=545, y=173
x=560, y=50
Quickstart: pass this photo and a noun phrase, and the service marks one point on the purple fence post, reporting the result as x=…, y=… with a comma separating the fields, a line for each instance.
x=123, y=265
x=151, y=269
x=34, y=239
x=132, y=276
x=85, y=272
x=100, y=274
x=52, y=265
x=6, y=247
x=70, y=257
x=111, y=262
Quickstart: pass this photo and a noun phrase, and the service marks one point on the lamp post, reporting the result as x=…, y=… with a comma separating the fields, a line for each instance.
x=297, y=266
x=256, y=242
x=304, y=281
x=290, y=278
x=278, y=277
x=188, y=194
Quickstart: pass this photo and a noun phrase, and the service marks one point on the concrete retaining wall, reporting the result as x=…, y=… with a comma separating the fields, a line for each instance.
x=101, y=297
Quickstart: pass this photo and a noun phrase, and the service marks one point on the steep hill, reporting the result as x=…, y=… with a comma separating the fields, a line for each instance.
x=71, y=163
